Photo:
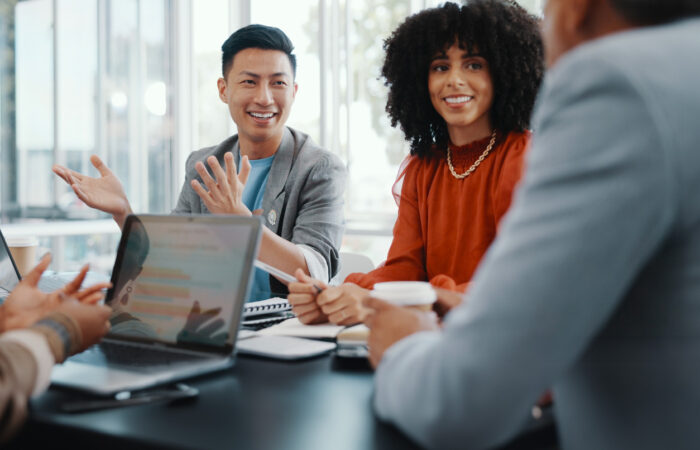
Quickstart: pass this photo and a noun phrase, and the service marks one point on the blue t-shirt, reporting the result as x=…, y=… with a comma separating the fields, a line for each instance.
x=252, y=198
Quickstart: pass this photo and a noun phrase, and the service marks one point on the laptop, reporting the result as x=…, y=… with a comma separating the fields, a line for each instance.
x=10, y=276
x=179, y=286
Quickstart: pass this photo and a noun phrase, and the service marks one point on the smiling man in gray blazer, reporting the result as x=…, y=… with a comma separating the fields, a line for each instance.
x=592, y=287
x=284, y=176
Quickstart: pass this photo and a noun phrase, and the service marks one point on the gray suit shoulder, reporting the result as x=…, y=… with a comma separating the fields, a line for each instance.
x=312, y=154
x=633, y=51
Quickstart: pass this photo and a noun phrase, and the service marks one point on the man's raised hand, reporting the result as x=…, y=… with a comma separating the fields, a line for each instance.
x=223, y=193
x=104, y=192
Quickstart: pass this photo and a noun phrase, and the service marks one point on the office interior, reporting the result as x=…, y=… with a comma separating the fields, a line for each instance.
x=134, y=82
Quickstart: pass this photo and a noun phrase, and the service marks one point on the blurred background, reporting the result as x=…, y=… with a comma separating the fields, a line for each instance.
x=134, y=81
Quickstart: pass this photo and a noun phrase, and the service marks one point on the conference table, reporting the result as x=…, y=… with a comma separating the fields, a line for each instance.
x=322, y=403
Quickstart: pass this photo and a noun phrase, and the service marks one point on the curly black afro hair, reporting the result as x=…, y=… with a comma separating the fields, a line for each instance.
x=504, y=34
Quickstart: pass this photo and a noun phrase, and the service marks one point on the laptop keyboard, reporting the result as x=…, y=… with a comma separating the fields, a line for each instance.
x=131, y=355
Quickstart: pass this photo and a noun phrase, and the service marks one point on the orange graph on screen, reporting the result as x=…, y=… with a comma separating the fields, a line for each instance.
x=160, y=309
x=162, y=272
x=161, y=290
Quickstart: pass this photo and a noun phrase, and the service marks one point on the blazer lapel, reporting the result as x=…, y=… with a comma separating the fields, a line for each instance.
x=274, y=196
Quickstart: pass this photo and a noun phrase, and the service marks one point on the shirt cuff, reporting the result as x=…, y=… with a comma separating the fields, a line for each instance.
x=316, y=264
x=389, y=399
x=38, y=346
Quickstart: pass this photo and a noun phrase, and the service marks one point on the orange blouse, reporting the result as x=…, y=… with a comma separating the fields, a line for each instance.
x=445, y=225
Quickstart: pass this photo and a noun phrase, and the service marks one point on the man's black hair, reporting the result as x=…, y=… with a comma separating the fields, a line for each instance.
x=656, y=12
x=256, y=36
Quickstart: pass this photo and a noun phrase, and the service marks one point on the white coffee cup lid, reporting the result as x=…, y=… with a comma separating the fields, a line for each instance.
x=405, y=292
x=22, y=241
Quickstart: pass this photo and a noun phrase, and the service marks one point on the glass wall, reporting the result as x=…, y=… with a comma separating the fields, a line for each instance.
x=35, y=100
x=134, y=81
x=76, y=93
x=210, y=28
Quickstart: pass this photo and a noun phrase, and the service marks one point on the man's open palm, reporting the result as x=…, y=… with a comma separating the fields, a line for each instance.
x=104, y=192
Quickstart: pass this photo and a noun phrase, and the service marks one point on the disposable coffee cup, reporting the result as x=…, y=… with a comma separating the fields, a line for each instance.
x=415, y=294
x=23, y=250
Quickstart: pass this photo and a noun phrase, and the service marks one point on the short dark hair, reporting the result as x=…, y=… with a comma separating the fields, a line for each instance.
x=656, y=12
x=504, y=34
x=256, y=36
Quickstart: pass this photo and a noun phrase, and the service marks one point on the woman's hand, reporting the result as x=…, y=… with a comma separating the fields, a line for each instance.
x=343, y=304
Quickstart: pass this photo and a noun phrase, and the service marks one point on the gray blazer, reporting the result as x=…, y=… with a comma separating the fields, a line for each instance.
x=303, y=199
x=592, y=287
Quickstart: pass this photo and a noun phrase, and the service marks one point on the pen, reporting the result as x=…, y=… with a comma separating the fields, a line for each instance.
x=284, y=276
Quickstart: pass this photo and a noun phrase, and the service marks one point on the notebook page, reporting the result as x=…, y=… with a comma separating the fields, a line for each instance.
x=292, y=327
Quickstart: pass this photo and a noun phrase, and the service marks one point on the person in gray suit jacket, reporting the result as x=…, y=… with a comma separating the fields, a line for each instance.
x=284, y=176
x=592, y=287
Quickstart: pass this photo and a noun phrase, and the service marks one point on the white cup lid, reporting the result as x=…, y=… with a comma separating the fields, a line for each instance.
x=22, y=241
x=405, y=292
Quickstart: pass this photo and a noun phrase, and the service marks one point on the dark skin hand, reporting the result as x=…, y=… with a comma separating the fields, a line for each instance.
x=27, y=304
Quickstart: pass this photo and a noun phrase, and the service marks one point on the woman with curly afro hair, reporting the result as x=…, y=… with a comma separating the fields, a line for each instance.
x=462, y=85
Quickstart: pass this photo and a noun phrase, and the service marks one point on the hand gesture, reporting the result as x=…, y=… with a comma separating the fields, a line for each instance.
x=302, y=297
x=27, y=304
x=225, y=193
x=93, y=320
x=104, y=193
x=343, y=304
x=389, y=324
x=197, y=330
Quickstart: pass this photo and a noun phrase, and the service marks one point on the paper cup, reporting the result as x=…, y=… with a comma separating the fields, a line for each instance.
x=23, y=250
x=416, y=294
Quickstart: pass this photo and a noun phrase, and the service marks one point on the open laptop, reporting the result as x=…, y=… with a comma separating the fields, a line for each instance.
x=179, y=285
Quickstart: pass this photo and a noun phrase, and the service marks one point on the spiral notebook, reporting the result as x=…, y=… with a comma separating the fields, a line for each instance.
x=269, y=306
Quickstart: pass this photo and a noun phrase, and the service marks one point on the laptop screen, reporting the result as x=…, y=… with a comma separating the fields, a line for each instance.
x=9, y=277
x=182, y=279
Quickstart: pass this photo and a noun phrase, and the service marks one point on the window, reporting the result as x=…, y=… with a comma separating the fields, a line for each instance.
x=91, y=77
x=210, y=27
x=134, y=81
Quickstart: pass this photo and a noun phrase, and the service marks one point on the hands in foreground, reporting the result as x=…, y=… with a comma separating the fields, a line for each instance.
x=389, y=324
x=341, y=305
x=104, y=193
x=93, y=320
x=27, y=304
x=223, y=194
x=446, y=301
x=302, y=297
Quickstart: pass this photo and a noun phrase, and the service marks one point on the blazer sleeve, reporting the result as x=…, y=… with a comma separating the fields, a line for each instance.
x=319, y=221
x=594, y=205
x=185, y=199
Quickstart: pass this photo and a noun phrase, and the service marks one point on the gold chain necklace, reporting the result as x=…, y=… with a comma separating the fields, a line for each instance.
x=473, y=167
